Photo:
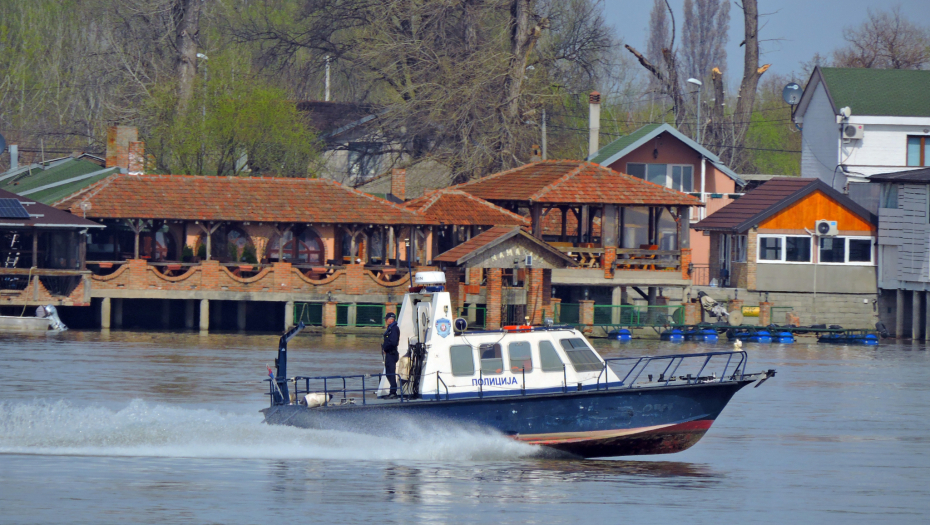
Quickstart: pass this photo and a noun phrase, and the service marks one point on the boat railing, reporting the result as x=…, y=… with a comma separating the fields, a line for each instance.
x=672, y=365
x=438, y=381
x=345, y=390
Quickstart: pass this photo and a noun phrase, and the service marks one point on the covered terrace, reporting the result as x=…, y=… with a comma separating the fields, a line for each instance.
x=599, y=217
x=174, y=223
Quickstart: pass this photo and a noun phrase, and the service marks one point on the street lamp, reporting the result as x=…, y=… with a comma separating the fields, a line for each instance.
x=699, y=84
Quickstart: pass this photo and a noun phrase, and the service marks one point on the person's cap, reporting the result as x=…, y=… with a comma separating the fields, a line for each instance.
x=390, y=315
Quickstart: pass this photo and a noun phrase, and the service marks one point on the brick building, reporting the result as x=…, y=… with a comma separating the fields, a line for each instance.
x=768, y=241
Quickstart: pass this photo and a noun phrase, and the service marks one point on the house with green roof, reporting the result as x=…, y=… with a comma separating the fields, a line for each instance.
x=661, y=154
x=857, y=122
x=48, y=182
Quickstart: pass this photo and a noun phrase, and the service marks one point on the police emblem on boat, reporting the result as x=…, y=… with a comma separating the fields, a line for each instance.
x=443, y=327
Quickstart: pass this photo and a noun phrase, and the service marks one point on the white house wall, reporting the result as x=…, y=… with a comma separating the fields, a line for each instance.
x=883, y=147
x=904, y=241
x=820, y=137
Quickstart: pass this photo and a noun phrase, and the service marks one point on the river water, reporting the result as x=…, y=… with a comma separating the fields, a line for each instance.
x=149, y=427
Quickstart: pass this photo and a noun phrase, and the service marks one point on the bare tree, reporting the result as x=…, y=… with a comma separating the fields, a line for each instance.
x=728, y=133
x=886, y=40
x=666, y=73
x=187, y=20
x=704, y=36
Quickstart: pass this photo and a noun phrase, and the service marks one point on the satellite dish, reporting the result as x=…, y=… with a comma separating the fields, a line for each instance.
x=792, y=94
x=2, y=144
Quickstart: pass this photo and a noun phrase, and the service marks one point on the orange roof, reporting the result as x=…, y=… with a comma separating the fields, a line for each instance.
x=257, y=199
x=492, y=237
x=458, y=207
x=573, y=182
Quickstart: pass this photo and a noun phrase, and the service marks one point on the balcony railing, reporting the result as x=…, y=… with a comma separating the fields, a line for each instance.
x=627, y=258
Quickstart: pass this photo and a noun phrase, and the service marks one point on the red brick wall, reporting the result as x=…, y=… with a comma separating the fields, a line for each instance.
x=685, y=261
x=607, y=262
x=494, y=298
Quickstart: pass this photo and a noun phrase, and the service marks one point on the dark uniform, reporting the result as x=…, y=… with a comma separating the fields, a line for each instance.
x=389, y=347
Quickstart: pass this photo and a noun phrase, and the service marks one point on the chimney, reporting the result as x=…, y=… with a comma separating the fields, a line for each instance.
x=594, y=123
x=399, y=183
x=136, y=158
x=118, y=139
x=535, y=154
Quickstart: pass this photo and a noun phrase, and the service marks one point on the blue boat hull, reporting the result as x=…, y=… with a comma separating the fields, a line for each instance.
x=596, y=423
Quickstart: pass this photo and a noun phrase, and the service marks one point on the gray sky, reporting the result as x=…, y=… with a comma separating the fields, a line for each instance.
x=807, y=27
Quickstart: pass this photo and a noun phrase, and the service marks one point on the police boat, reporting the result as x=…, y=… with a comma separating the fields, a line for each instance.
x=543, y=385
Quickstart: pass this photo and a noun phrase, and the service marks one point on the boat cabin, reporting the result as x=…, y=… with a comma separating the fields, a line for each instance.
x=516, y=359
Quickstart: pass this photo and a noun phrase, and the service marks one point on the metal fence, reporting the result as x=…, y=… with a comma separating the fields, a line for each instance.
x=700, y=274
x=311, y=314
x=567, y=313
x=638, y=315
x=476, y=316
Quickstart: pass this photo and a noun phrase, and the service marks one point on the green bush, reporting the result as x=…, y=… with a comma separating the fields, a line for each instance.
x=248, y=254
x=202, y=250
x=187, y=253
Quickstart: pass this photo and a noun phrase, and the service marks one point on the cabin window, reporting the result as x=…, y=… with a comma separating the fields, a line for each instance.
x=832, y=250
x=784, y=248
x=492, y=359
x=521, y=359
x=846, y=250
x=738, y=244
x=860, y=250
x=889, y=197
x=798, y=249
x=582, y=357
x=678, y=177
x=918, y=150
x=549, y=360
x=769, y=248
x=463, y=360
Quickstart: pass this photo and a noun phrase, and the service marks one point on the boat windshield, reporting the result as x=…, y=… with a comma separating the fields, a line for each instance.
x=582, y=357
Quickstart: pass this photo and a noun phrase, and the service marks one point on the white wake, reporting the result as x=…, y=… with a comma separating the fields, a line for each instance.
x=143, y=429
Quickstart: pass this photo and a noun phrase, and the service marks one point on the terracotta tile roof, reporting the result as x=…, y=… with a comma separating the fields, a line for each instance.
x=236, y=199
x=492, y=237
x=475, y=243
x=768, y=199
x=573, y=182
x=458, y=207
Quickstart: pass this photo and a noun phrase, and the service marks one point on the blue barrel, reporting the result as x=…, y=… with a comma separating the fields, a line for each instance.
x=871, y=339
x=762, y=336
x=623, y=335
x=673, y=336
x=784, y=337
x=710, y=335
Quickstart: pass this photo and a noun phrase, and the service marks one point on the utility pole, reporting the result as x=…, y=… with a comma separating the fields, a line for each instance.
x=544, y=156
x=699, y=84
x=326, y=94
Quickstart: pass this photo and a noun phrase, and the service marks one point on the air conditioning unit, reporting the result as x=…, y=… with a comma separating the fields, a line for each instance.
x=853, y=131
x=826, y=228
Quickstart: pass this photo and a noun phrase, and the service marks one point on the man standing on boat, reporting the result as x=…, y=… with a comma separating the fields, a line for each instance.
x=389, y=349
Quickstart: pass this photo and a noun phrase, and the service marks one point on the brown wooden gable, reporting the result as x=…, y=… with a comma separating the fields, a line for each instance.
x=816, y=206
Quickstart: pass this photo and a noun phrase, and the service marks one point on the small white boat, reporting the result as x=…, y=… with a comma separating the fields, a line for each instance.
x=45, y=320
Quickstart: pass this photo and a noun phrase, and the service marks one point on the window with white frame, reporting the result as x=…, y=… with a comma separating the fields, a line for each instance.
x=784, y=248
x=846, y=250
x=831, y=250
x=676, y=176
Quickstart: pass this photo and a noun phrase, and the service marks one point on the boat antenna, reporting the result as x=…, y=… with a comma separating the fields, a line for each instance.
x=280, y=364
